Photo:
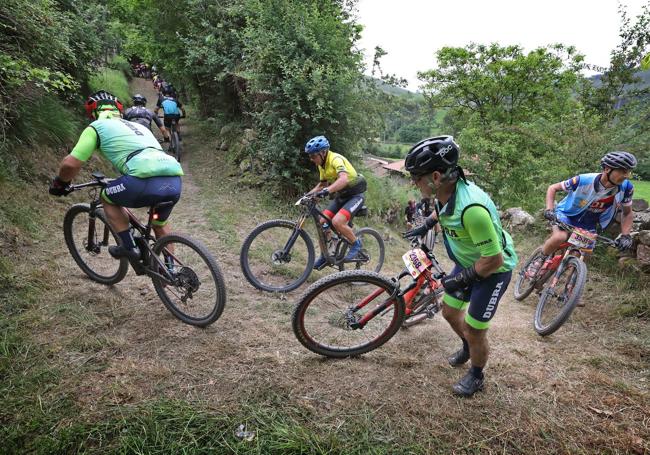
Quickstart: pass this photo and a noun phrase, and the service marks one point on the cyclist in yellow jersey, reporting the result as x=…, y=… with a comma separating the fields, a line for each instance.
x=337, y=177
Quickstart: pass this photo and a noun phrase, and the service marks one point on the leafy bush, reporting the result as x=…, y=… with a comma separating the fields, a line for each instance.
x=643, y=170
x=45, y=47
x=304, y=79
x=384, y=194
x=112, y=81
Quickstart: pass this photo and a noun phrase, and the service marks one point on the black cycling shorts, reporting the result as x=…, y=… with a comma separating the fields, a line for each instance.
x=483, y=298
x=169, y=118
x=134, y=192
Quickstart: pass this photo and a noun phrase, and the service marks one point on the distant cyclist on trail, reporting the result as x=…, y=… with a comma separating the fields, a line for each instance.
x=140, y=114
x=168, y=102
x=591, y=203
x=482, y=251
x=337, y=177
x=148, y=175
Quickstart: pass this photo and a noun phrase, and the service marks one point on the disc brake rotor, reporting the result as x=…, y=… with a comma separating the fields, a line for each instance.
x=188, y=280
x=279, y=257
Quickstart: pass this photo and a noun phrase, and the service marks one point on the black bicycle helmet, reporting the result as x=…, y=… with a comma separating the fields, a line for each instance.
x=167, y=88
x=438, y=153
x=139, y=100
x=618, y=160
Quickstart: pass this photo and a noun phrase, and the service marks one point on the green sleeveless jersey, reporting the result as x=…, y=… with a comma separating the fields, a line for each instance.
x=465, y=211
x=130, y=147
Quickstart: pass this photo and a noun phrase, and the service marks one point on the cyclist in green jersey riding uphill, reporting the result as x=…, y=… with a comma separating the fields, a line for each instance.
x=591, y=203
x=148, y=175
x=482, y=251
x=172, y=108
x=339, y=178
x=140, y=114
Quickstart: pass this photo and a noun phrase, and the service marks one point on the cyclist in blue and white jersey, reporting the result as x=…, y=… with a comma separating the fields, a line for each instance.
x=592, y=202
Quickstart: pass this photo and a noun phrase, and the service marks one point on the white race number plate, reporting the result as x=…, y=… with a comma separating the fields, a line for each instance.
x=416, y=262
x=583, y=239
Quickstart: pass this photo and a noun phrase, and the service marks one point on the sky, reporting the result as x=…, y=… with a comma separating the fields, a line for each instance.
x=411, y=31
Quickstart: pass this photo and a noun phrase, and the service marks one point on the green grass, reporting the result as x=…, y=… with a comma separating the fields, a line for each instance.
x=641, y=189
x=46, y=121
x=113, y=81
x=166, y=426
x=120, y=63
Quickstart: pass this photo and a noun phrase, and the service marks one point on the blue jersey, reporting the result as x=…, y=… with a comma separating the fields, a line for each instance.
x=170, y=105
x=589, y=203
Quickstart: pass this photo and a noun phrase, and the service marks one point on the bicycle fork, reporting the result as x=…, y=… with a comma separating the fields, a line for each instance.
x=556, y=277
x=92, y=246
x=292, y=238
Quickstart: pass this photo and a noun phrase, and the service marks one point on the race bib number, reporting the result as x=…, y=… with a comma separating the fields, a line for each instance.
x=583, y=239
x=416, y=262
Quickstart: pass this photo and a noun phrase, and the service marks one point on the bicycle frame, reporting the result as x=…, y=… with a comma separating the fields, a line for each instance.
x=312, y=210
x=568, y=249
x=143, y=242
x=428, y=277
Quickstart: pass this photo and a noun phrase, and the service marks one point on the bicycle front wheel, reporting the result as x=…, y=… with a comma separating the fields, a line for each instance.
x=348, y=313
x=88, y=239
x=557, y=303
x=196, y=292
x=177, y=146
x=277, y=256
x=371, y=256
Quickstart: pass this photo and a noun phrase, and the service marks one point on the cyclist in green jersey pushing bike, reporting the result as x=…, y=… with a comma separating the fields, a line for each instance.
x=148, y=175
x=482, y=251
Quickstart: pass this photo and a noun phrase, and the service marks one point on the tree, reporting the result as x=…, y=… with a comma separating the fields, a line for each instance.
x=502, y=84
x=515, y=116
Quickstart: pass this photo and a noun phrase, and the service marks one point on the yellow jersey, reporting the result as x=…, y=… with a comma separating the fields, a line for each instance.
x=333, y=166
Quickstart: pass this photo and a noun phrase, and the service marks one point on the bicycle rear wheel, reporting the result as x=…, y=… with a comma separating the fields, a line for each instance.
x=265, y=263
x=372, y=251
x=197, y=293
x=327, y=318
x=557, y=303
x=88, y=241
x=525, y=283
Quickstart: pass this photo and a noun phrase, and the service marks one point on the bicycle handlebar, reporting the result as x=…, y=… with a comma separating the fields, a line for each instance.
x=599, y=238
x=100, y=180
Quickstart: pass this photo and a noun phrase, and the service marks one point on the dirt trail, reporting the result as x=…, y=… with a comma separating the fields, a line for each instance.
x=582, y=389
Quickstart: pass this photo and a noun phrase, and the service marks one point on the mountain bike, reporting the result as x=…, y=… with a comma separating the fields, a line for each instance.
x=184, y=274
x=175, y=145
x=353, y=312
x=568, y=271
x=278, y=255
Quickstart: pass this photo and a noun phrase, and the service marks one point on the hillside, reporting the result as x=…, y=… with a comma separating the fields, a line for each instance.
x=108, y=369
x=644, y=82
